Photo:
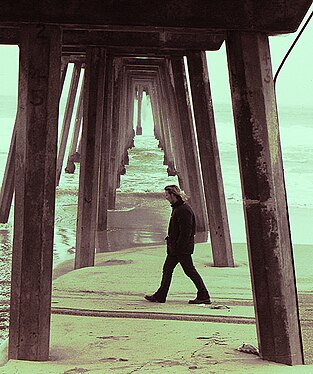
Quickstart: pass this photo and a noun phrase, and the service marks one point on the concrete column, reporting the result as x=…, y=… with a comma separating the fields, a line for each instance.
x=35, y=172
x=155, y=114
x=167, y=84
x=159, y=103
x=64, y=66
x=103, y=202
x=210, y=160
x=7, y=187
x=189, y=143
x=139, y=98
x=158, y=110
x=115, y=133
x=74, y=156
x=89, y=165
x=129, y=110
x=67, y=118
x=264, y=197
x=163, y=119
x=126, y=118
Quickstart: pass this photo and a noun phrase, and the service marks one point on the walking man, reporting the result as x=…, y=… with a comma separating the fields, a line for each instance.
x=180, y=246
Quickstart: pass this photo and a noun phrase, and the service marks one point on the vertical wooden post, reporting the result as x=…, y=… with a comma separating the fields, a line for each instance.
x=158, y=101
x=126, y=120
x=89, y=165
x=115, y=133
x=210, y=160
x=35, y=171
x=161, y=116
x=139, y=97
x=155, y=113
x=171, y=108
x=103, y=202
x=67, y=118
x=7, y=187
x=64, y=66
x=264, y=197
x=129, y=110
x=73, y=153
x=189, y=143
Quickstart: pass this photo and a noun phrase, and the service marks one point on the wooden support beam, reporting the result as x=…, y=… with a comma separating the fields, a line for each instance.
x=189, y=143
x=264, y=198
x=163, y=40
x=67, y=118
x=130, y=113
x=114, y=162
x=36, y=149
x=74, y=155
x=271, y=15
x=89, y=165
x=64, y=66
x=126, y=118
x=139, y=40
x=155, y=113
x=169, y=102
x=139, y=99
x=7, y=187
x=10, y=34
x=106, y=133
x=210, y=160
x=158, y=92
x=158, y=112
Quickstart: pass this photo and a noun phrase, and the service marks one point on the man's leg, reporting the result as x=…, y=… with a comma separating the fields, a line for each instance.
x=168, y=268
x=189, y=269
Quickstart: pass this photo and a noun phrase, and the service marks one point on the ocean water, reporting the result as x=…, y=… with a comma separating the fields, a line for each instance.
x=296, y=130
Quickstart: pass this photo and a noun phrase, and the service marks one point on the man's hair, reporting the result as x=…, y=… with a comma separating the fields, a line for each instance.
x=174, y=190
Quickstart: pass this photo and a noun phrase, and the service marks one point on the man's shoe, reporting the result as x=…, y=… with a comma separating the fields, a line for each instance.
x=200, y=301
x=153, y=299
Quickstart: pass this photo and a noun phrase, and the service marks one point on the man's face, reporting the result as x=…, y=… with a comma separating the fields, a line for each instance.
x=170, y=197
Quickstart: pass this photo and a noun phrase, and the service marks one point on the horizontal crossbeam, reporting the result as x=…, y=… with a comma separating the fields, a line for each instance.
x=267, y=16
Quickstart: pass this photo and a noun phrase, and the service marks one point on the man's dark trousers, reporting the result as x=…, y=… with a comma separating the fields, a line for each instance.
x=187, y=264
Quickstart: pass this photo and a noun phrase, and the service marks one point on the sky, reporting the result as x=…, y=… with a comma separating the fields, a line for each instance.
x=294, y=84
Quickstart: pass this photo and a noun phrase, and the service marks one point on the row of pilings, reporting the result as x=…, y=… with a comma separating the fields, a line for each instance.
x=111, y=82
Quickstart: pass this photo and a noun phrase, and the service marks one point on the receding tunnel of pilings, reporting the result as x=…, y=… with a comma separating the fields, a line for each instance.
x=140, y=190
x=147, y=168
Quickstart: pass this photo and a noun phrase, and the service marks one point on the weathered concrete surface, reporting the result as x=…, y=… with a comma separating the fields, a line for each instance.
x=89, y=166
x=271, y=15
x=264, y=197
x=209, y=158
x=35, y=169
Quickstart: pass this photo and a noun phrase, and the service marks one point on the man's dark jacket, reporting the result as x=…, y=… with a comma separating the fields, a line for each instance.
x=181, y=230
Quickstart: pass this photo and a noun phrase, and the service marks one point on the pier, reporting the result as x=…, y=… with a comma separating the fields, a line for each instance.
x=123, y=50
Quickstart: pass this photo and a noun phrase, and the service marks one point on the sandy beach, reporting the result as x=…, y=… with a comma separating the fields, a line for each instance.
x=141, y=220
x=107, y=300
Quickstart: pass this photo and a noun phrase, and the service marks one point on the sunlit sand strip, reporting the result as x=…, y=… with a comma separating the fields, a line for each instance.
x=153, y=315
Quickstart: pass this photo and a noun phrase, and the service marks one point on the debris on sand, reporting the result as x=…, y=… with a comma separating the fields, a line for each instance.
x=248, y=348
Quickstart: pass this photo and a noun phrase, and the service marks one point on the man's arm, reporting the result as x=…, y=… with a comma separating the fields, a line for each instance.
x=185, y=224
